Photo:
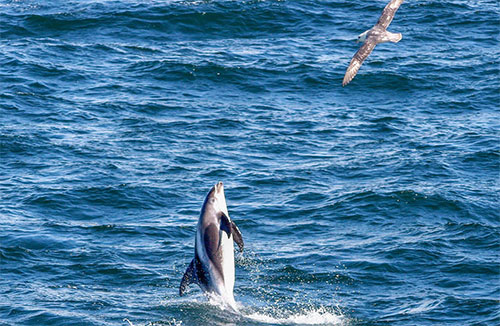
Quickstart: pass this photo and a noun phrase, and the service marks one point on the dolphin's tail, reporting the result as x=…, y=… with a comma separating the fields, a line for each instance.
x=188, y=278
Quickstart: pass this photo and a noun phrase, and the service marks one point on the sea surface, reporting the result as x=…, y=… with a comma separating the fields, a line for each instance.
x=371, y=204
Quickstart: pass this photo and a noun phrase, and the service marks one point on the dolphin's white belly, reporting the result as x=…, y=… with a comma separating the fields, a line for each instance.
x=223, y=287
x=228, y=263
x=227, y=244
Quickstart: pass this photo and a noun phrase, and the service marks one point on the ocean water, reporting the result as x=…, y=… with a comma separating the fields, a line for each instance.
x=372, y=204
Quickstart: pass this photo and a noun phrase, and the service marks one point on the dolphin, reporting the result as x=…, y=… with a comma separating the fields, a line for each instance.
x=212, y=267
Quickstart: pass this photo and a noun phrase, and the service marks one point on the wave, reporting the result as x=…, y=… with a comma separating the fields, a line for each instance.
x=240, y=19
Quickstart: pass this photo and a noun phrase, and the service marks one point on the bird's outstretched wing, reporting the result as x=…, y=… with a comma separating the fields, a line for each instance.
x=360, y=56
x=388, y=14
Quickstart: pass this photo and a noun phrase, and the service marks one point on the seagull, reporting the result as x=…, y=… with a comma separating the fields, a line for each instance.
x=375, y=35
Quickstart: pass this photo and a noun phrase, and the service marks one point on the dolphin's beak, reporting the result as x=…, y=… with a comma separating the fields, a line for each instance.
x=219, y=187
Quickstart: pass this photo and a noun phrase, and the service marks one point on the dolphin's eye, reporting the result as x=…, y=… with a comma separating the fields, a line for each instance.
x=212, y=200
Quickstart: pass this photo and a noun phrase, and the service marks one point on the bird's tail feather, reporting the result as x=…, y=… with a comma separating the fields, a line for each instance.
x=396, y=37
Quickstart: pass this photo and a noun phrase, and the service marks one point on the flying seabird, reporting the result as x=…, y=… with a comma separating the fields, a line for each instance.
x=375, y=35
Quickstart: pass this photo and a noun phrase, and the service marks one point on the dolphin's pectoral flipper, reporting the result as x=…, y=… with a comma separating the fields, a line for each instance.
x=225, y=224
x=188, y=278
x=237, y=236
x=231, y=229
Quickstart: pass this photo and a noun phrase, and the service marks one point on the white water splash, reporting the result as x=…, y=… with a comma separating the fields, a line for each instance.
x=319, y=316
x=221, y=303
x=172, y=322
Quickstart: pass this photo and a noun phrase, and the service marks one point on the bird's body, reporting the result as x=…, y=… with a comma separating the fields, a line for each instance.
x=375, y=35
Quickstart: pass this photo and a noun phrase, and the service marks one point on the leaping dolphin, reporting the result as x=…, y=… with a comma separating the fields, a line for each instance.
x=375, y=35
x=213, y=265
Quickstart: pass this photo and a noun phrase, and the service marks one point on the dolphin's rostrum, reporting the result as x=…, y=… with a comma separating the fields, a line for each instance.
x=213, y=265
x=377, y=34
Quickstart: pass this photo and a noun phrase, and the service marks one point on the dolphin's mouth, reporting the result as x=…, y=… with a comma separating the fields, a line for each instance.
x=219, y=187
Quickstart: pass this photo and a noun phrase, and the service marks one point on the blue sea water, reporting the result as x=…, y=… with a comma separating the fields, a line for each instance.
x=372, y=204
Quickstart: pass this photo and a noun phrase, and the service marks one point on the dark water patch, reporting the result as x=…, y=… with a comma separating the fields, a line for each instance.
x=468, y=306
x=122, y=196
x=35, y=242
x=370, y=199
x=65, y=21
x=488, y=159
x=413, y=256
x=23, y=144
x=15, y=254
x=473, y=268
x=116, y=197
x=192, y=20
x=44, y=317
x=14, y=30
x=310, y=196
x=477, y=235
x=202, y=72
x=391, y=81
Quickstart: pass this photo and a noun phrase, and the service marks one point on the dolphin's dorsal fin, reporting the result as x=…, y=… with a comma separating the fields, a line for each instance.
x=188, y=278
x=237, y=235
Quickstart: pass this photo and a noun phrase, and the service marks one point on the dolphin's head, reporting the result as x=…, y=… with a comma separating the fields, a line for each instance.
x=362, y=36
x=216, y=198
